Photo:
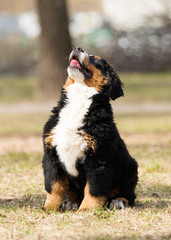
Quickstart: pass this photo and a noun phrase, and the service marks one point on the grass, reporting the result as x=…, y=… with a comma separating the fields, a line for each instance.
x=20, y=124
x=32, y=124
x=144, y=123
x=14, y=89
x=22, y=194
x=138, y=87
x=147, y=87
x=22, y=190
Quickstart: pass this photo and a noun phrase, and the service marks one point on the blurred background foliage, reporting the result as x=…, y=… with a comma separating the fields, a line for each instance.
x=133, y=36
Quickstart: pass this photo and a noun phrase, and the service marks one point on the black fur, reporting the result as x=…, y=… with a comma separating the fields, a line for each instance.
x=108, y=167
x=114, y=85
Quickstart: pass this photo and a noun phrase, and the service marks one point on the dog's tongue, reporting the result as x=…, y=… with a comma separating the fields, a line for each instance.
x=75, y=63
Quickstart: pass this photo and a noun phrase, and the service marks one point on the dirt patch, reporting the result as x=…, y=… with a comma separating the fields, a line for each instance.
x=147, y=138
x=20, y=144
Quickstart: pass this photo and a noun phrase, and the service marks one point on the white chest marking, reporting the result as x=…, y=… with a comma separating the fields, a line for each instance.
x=69, y=144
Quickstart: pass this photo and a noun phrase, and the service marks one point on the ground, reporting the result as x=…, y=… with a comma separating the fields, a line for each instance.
x=148, y=137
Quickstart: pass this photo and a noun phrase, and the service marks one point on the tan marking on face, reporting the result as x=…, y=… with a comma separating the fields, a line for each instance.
x=89, y=139
x=98, y=57
x=68, y=82
x=55, y=198
x=48, y=140
x=90, y=201
x=98, y=80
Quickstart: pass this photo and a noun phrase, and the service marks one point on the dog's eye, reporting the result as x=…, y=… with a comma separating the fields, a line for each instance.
x=98, y=63
x=94, y=59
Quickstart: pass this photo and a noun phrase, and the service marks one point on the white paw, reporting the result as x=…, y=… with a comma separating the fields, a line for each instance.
x=117, y=204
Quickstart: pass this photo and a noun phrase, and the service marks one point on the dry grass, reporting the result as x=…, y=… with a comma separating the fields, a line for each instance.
x=145, y=87
x=22, y=197
x=139, y=87
x=22, y=191
x=14, y=89
x=32, y=124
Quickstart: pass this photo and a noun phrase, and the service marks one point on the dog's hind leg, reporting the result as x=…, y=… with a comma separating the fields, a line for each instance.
x=90, y=201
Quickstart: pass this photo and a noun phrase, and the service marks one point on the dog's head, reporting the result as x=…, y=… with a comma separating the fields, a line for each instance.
x=95, y=72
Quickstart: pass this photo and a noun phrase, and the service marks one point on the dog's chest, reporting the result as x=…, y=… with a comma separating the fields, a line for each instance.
x=69, y=143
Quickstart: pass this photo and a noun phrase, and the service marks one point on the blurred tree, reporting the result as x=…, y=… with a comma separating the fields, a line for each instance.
x=55, y=45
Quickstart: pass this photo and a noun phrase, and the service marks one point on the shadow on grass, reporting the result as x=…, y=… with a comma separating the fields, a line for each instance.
x=152, y=204
x=35, y=201
x=133, y=237
x=155, y=196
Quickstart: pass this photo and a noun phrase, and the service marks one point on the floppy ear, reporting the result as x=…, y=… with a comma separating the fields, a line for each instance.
x=115, y=86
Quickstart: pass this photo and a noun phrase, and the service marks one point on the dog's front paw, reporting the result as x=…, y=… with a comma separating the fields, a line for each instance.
x=48, y=208
x=118, y=203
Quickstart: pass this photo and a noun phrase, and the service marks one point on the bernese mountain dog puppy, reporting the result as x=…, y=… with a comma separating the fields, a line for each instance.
x=84, y=155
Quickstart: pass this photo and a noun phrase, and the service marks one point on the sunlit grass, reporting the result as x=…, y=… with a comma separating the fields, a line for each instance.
x=32, y=124
x=14, y=89
x=20, y=124
x=143, y=123
x=22, y=196
x=139, y=87
x=147, y=87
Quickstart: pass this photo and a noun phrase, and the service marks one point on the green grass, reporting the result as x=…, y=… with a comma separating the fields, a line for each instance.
x=22, y=161
x=147, y=87
x=14, y=89
x=32, y=124
x=22, y=191
x=139, y=87
x=143, y=123
x=22, y=194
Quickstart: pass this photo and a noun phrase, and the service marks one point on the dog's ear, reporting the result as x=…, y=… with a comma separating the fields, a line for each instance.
x=115, y=86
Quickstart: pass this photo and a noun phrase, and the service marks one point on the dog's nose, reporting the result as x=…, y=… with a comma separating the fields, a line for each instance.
x=80, y=49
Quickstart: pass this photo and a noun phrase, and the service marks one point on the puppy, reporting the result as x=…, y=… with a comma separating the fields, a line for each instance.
x=84, y=155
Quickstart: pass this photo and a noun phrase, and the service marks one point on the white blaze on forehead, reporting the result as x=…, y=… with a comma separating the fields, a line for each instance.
x=70, y=145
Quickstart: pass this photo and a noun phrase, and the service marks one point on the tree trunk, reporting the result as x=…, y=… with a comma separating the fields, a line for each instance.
x=55, y=46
